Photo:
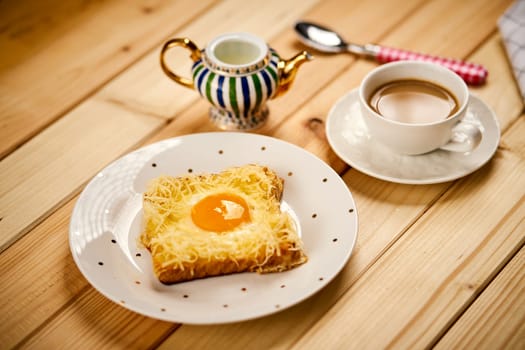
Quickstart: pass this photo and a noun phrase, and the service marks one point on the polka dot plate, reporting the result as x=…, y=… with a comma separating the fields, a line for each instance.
x=107, y=219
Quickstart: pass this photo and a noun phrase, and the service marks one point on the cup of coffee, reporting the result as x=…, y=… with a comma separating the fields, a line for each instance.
x=416, y=107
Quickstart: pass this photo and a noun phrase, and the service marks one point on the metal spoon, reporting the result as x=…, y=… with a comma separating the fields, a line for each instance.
x=326, y=40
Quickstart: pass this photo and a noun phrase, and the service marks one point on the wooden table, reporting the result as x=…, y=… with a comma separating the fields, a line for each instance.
x=80, y=85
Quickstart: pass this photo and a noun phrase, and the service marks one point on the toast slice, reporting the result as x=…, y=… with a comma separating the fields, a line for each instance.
x=182, y=250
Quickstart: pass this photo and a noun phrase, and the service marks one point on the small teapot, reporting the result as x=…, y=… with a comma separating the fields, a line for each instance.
x=237, y=73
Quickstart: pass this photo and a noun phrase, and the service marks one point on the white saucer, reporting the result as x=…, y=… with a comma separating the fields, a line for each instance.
x=349, y=138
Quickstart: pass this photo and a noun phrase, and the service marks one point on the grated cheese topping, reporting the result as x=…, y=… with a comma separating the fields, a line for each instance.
x=171, y=234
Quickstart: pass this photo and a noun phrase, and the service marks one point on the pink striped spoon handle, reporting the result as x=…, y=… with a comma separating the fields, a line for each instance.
x=472, y=73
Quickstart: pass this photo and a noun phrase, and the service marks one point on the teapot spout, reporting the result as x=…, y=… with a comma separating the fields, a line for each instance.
x=288, y=70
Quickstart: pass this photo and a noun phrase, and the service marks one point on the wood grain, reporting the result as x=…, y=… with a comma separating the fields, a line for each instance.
x=400, y=205
x=189, y=335
x=432, y=265
x=408, y=35
x=514, y=139
x=436, y=267
x=115, y=121
x=56, y=158
x=162, y=97
x=56, y=53
x=496, y=319
x=110, y=326
x=27, y=302
x=312, y=77
x=500, y=94
x=368, y=248
x=500, y=82
x=50, y=168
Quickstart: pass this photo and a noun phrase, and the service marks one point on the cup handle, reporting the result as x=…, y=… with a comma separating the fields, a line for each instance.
x=466, y=136
x=195, y=56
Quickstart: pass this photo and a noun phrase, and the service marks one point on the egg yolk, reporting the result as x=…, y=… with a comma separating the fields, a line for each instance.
x=220, y=212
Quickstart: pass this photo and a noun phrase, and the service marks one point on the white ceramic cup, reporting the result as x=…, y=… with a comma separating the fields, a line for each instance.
x=451, y=134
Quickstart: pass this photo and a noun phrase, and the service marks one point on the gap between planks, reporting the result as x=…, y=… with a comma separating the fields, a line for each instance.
x=476, y=295
x=101, y=84
x=292, y=112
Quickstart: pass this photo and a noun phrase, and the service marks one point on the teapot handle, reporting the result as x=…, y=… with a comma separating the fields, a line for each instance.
x=195, y=56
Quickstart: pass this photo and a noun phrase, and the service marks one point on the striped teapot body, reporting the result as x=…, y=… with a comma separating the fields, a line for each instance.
x=238, y=95
x=237, y=73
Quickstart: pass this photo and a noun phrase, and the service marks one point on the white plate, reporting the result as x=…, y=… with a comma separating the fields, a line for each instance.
x=349, y=138
x=107, y=218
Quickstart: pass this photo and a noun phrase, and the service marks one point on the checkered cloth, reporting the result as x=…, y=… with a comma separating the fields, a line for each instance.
x=472, y=73
x=512, y=28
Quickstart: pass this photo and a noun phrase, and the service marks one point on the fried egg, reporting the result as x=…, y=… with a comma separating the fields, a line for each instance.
x=203, y=225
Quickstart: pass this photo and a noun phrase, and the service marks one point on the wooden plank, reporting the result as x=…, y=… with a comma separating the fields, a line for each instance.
x=27, y=301
x=97, y=323
x=320, y=83
x=492, y=55
x=49, y=158
x=55, y=53
x=29, y=310
x=305, y=120
x=514, y=139
x=372, y=240
x=499, y=83
x=163, y=97
x=444, y=24
x=251, y=331
x=50, y=168
x=312, y=76
x=399, y=205
x=446, y=256
x=496, y=319
x=38, y=289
